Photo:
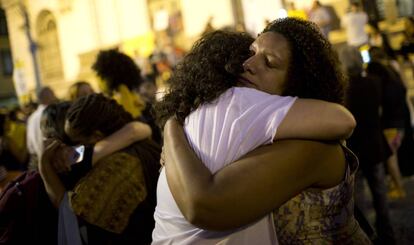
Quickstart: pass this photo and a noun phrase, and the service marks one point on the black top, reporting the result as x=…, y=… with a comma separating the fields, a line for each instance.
x=393, y=94
x=364, y=101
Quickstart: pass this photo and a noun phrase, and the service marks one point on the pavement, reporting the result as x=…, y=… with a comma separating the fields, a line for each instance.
x=401, y=213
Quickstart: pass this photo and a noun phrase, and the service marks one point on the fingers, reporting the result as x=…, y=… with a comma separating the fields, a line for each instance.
x=57, y=154
x=65, y=156
x=162, y=159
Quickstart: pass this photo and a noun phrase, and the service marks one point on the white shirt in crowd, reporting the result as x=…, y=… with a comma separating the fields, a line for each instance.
x=240, y=120
x=355, y=22
x=34, y=136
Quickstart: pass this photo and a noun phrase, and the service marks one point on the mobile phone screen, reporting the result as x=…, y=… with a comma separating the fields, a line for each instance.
x=365, y=56
x=80, y=150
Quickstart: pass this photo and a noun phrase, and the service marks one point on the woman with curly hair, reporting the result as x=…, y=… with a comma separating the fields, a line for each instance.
x=227, y=113
x=121, y=77
x=309, y=184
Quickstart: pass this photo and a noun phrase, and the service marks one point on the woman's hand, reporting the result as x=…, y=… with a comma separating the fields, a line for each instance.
x=48, y=155
x=59, y=156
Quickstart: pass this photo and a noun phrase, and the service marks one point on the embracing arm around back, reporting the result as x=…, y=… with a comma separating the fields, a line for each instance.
x=57, y=152
x=133, y=131
x=316, y=119
x=250, y=188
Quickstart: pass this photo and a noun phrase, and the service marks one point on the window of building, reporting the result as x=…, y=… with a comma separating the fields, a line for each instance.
x=49, y=50
x=6, y=62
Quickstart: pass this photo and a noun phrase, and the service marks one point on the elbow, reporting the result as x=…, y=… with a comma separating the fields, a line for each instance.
x=350, y=125
x=198, y=212
x=141, y=131
x=207, y=218
x=193, y=211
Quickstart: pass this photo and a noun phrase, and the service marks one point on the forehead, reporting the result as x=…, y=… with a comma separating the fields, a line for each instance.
x=273, y=43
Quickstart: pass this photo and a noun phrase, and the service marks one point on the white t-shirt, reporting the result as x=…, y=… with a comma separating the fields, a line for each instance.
x=355, y=28
x=240, y=120
x=34, y=136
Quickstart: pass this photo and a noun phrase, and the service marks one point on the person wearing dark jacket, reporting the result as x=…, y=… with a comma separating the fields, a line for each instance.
x=364, y=100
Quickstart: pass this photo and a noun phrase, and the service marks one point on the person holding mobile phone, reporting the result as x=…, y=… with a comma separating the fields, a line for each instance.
x=93, y=200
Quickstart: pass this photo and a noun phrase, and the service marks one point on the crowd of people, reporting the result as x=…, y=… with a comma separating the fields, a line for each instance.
x=262, y=140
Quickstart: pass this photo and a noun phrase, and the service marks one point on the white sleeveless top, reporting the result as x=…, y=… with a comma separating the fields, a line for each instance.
x=221, y=132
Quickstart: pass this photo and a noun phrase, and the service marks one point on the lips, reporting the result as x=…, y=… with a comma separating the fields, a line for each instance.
x=246, y=82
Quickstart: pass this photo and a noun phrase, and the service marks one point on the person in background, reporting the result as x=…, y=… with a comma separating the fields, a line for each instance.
x=395, y=113
x=364, y=100
x=119, y=209
x=34, y=137
x=15, y=154
x=120, y=79
x=321, y=17
x=80, y=89
x=379, y=39
x=209, y=26
x=407, y=45
x=354, y=22
x=293, y=12
x=148, y=91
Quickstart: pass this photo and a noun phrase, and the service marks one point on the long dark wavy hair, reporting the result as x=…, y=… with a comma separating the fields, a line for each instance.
x=210, y=68
x=315, y=70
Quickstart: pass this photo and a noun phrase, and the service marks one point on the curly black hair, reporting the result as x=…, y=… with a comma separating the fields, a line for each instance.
x=315, y=70
x=96, y=112
x=210, y=68
x=117, y=68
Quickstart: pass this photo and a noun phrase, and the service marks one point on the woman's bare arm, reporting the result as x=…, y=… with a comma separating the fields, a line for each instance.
x=317, y=120
x=130, y=133
x=250, y=188
x=53, y=185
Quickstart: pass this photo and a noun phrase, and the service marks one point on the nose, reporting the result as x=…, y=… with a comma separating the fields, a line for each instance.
x=248, y=66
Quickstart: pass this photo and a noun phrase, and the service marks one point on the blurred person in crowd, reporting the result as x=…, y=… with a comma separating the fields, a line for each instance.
x=276, y=65
x=15, y=154
x=354, y=22
x=34, y=137
x=80, y=89
x=321, y=17
x=119, y=209
x=162, y=67
x=295, y=13
x=64, y=161
x=364, y=100
x=209, y=26
x=120, y=79
x=395, y=112
x=407, y=45
x=379, y=39
x=148, y=91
